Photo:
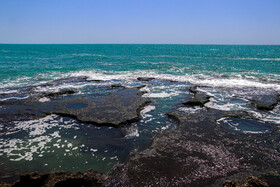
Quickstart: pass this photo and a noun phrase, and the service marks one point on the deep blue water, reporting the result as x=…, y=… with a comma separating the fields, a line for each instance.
x=231, y=74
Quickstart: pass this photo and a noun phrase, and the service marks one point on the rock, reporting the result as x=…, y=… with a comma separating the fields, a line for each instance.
x=250, y=181
x=145, y=78
x=61, y=92
x=117, y=86
x=61, y=178
x=19, y=112
x=199, y=98
x=199, y=152
x=115, y=109
x=229, y=183
x=141, y=86
x=193, y=89
x=253, y=181
x=265, y=102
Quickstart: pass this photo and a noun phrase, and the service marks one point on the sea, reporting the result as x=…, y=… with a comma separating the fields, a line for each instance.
x=231, y=74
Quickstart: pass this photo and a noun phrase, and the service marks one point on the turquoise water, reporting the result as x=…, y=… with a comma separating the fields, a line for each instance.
x=232, y=75
x=44, y=61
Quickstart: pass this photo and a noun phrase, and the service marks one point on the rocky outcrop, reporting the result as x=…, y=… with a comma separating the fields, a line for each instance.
x=60, y=178
x=115, y=109
x=199, y=152
x=121, y=106
x=265, y=102
x=199, y=98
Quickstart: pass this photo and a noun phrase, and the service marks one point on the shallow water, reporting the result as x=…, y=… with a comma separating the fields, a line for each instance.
x=232, y=75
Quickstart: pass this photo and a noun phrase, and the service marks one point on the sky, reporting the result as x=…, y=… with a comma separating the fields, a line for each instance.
x=140, y=21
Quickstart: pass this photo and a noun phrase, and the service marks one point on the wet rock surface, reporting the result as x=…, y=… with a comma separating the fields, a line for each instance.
x=199, y=98
x=61, y=92
x=265, y=102
x=200, y=152
x=120, y=106
x=115, y=109
x=60, y=178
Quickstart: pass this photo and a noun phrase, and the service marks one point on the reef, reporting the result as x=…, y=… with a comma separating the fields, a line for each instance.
x=200, y=152
x=118, y=107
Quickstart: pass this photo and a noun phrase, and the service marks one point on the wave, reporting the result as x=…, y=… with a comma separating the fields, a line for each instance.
x=233, y=80
x=261, y=59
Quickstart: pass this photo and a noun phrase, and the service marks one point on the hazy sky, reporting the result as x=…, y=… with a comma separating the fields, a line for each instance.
x=140, y=21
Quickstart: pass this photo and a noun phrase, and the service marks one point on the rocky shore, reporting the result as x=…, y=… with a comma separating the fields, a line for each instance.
x=200, y=151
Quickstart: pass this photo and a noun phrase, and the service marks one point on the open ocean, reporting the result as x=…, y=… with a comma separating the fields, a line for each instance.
x=231, y=74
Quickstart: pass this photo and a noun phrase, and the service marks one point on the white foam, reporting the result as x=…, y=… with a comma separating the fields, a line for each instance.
x=215, y=80
x=160, y=95
x=131, y=131
x=17, y=98
x=146, y=110
x=44, y=99
x=37, y=139
x=191, y=110
x=233, y=80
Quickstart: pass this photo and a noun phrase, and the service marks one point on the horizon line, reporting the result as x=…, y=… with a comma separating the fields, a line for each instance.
x=126, y=44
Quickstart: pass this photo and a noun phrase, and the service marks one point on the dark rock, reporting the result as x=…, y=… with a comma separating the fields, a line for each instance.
x=250, y=181
x=253, y=181
x=199, y=152
x=62, y=92
x=265, y=102
x=117, y=86
x=229, y=183
x=199, y=98
x=193, y=89
x=115, y=109
x=139, y=87
x=94, y=80
x=61, y=178
x=145, y=78
x=19, y=112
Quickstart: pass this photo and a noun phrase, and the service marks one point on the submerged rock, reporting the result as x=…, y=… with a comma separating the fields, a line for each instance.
x=265, y=102
x=61, y=178
x=145, y=78
x=198, y=152
x=199, y=98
